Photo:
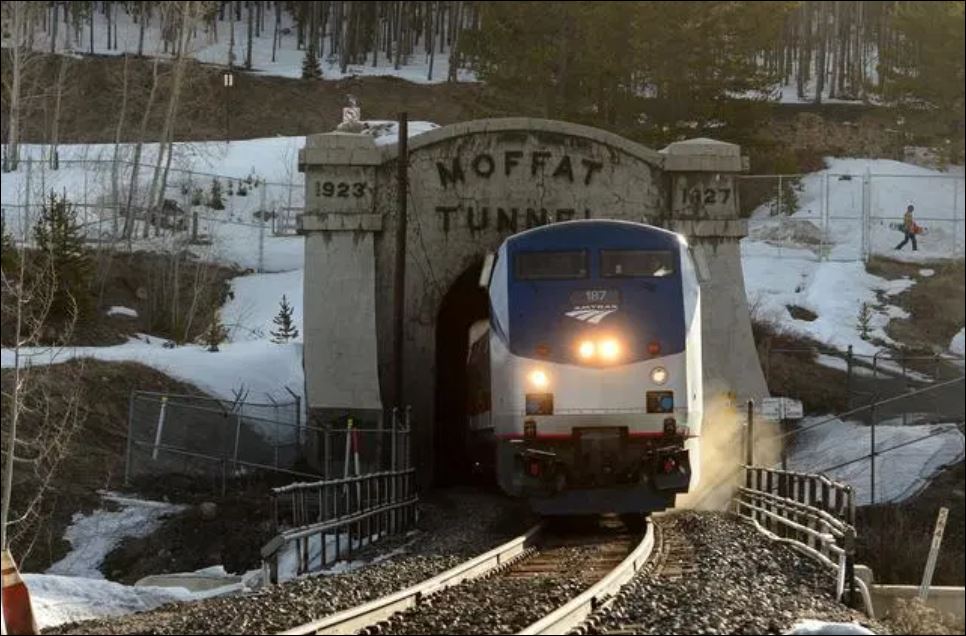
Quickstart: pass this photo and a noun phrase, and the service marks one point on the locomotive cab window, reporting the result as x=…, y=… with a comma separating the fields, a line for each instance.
x=551, y=265
x=632, y=263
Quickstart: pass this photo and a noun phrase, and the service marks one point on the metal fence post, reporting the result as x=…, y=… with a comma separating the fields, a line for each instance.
x=848, y=379
x=849, y=546
x=875, y=415
x=750, y=435
x=238, y=424
x=158, y=433
x=130, y=439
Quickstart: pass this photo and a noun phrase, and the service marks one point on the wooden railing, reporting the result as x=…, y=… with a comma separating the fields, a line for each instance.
x=813, y=512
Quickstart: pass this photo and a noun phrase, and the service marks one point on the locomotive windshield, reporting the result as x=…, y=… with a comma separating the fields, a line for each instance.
x=551, y=265
x=628, y=263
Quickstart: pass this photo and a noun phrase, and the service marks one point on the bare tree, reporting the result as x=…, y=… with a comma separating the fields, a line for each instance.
x=58, y=98
x=32, y=455
x=19, y=15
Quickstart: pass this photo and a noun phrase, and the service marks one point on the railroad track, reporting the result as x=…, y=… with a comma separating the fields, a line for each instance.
x=673, y=558
x=546, y=581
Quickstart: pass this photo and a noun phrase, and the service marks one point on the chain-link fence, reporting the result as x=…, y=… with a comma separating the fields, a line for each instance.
x=855, y=379
x=851, y=217
x=195, y=206
x=204, y=442
x=208, y=442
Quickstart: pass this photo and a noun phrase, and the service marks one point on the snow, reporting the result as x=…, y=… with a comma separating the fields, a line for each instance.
x=958, y=344
x=204, y=48
x=122, y=311
x=813, y=627
x=926, y=273
x=901, y=473
x=807, y=259
x=259, y=366
x=288, y=558
x=386, y=131
x=773, y=282
x=62, y=599
x=833, y=199
x=93, y=536
x=256, y=301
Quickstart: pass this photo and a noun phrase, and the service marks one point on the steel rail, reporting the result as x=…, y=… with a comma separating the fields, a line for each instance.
x=565, y=618
x=352, y=620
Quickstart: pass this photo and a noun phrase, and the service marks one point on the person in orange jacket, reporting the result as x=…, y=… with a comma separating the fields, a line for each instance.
x=910, y=228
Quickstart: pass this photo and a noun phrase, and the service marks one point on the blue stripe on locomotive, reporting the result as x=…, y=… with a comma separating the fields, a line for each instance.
x=650, y=308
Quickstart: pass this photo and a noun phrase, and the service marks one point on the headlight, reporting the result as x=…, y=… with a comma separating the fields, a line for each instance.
x=658, y=375
x=610, y=350
x=587, y=349
x=538, y=378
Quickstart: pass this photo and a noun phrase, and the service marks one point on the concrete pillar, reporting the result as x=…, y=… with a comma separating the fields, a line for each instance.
x=704, y=207
x=339, y=225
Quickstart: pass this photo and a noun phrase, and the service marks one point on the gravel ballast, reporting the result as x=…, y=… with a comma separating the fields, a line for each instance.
x=742, y=582
x=453, y=527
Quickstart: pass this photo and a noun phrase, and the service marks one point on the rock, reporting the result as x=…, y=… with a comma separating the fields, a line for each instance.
x=208, y=510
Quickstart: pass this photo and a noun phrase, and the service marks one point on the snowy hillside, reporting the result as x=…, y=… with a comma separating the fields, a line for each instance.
x=214, y=48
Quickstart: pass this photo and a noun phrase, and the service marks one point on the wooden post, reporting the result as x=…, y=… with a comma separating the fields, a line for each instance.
x=937, y=539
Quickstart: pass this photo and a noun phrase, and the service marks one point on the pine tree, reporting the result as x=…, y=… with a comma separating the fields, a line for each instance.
x=60, y=244
x=216, y=332
x=9, y=258
x=929, y=67
x=285, y=327
x=215, y=201
x=311, y=69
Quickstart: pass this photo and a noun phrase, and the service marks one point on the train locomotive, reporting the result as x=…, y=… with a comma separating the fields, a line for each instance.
x=584, y=386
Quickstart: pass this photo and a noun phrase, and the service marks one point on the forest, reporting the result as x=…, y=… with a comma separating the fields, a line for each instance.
x=661, y=64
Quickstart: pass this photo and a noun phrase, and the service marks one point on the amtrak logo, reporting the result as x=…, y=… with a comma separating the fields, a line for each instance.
x=591, y=315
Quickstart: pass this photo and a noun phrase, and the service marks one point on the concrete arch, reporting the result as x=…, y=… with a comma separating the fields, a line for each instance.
x=471, y=185
x=528, y=125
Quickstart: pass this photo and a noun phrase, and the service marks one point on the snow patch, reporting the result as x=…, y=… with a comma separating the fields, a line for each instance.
x=93, y=536
x=255, y=302
x=261, y=367
x=127, y=312
x=821, y=628
x=958, y=344
x=64, y=599
x=773, y=281
x=926, y=273
x=901, y=473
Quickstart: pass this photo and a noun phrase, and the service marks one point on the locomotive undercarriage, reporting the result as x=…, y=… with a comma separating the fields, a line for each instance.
x=602, y=469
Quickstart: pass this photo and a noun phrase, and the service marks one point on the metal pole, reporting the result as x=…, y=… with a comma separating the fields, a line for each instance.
x=872, y=451
x=157, y=434
x=848, y=379
x=261, y=233
x=130, y=439
x=399, y=272
x=750, y=435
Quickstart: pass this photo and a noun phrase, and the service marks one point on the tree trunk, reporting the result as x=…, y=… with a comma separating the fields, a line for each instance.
x=454, y=55
x=142, y=19
x=55, y=127
x=277, y=33
x=251, y=28
x=54, y=21
x=18, y=58
x=118, y=131
x=138, y=148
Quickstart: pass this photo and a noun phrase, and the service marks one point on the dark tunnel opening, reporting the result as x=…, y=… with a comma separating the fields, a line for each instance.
x=464, y=304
